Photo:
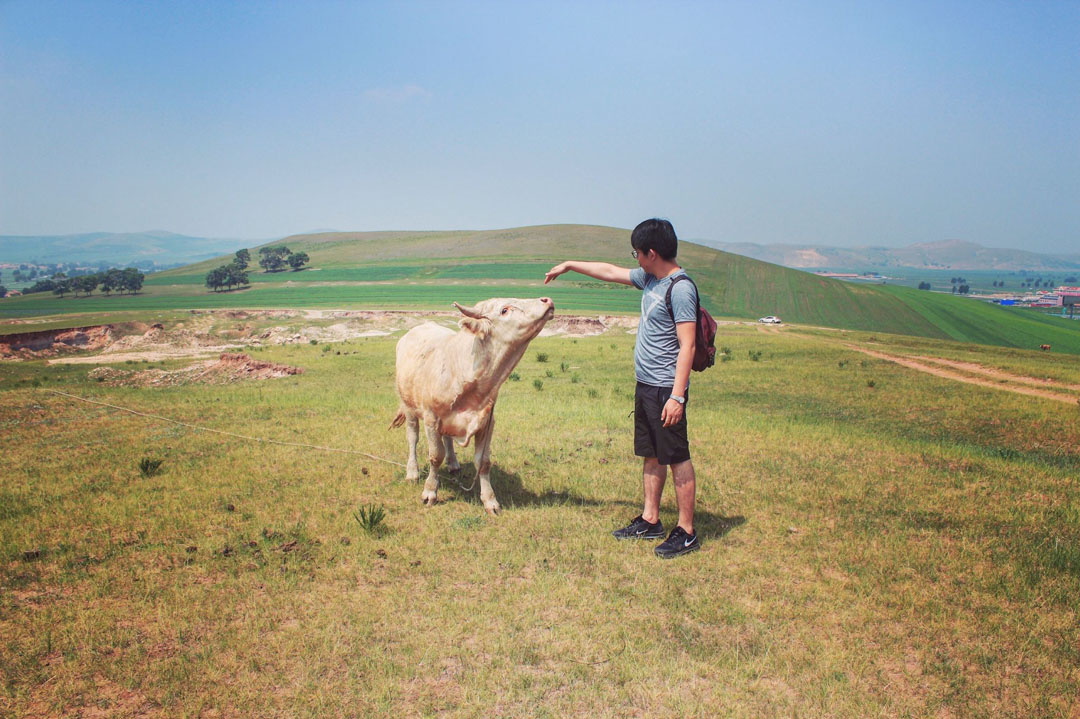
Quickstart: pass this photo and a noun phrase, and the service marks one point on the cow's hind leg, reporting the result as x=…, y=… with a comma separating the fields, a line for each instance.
x=452, y=464
x=482, y=458
x=436, y=452
x=412, y=434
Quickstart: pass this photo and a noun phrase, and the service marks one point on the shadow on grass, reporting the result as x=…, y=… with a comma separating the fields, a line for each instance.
x=511, y=492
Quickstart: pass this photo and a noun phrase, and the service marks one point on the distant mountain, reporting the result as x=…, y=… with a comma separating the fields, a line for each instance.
x=945, y=255
x=142, y=248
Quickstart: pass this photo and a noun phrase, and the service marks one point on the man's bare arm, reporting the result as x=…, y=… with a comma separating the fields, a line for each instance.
x=672, y=411
x=597, y=270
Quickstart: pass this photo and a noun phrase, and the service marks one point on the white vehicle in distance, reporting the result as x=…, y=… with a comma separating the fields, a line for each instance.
x=770, y=320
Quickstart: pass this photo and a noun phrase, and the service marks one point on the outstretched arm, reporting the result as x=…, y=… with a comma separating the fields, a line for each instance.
x=597, y=270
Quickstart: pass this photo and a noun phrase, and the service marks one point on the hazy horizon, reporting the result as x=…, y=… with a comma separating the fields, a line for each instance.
x=831, y=124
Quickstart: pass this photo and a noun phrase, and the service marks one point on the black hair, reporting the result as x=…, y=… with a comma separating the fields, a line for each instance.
x=658, y=235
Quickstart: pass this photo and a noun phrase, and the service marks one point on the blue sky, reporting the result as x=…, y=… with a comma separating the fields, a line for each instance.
x=803, y=122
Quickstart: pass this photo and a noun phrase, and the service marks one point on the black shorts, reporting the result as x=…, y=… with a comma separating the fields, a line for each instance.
x=651, y=438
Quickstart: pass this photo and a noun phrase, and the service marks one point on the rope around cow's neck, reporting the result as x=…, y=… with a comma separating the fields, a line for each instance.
x=244, y=436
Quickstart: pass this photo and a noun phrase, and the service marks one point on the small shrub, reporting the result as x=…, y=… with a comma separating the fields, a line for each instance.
x=541, y=357
x=514, y=376
x=870, y=383
x=370, y=518
x=327, y=348
x=726, y=358
x=841, y=364
x=150, y=467
x=564, y=367
x=755, y=355
x=549, y=374
x=614, y=346
x=574, y=379
x=725, y=350
x=314, y=342
x=593, y=394
x=538, y=384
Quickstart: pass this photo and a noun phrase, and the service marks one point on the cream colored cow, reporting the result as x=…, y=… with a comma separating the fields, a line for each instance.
x=450, y=380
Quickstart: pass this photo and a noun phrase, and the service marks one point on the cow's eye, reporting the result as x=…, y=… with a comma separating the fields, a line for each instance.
x=504, y=310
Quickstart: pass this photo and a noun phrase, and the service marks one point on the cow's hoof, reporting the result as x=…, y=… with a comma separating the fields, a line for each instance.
x=453, y=468
x=493, y=508
x=412, y=477
x=429, y=498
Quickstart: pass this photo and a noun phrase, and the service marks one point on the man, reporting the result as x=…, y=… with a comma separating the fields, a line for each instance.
x=663, y=355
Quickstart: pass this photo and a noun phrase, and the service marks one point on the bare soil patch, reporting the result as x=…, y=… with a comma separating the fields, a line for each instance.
x=228, y=368
x=585, y=326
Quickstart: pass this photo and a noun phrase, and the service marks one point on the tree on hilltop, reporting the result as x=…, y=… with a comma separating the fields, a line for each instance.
x=131, y=280
x=297, y=260
x=243, y=258
x=61, y=286
x=272, y=259
x=85, y=283
x=235, y=275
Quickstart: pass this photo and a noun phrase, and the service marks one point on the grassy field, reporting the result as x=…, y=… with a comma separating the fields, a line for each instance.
x=878, y=542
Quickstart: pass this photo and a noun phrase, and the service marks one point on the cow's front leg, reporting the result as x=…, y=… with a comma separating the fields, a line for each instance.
x=412, y=434
x=452, y=464
x=482, y=459
x=436, y=452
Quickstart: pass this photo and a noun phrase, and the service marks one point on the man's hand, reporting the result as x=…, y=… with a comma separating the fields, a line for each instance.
x=672, y=413
x=556, y=271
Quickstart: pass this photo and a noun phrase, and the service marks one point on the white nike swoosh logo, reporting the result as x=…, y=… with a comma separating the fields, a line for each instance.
x=688, y=542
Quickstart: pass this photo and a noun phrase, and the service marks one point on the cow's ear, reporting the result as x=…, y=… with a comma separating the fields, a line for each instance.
x=480, y=327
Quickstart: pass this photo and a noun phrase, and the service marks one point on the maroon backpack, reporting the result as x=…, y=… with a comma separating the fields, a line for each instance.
x=704, y=349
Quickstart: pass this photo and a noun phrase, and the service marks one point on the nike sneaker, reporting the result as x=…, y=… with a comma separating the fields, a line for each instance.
x=640, y=529
x=678, y=543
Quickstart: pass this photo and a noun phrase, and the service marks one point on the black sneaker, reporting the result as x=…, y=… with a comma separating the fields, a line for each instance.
x=640, y=529
x=677, y=543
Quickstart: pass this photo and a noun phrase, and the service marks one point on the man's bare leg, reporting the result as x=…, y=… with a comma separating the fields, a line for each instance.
x=685, y=491
x=653, y=476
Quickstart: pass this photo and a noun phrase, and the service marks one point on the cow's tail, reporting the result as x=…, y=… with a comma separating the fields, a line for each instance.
x=398, y=420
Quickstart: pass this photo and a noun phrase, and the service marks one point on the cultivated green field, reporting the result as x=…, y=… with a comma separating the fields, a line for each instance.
x=878, y=542
x=429, y=270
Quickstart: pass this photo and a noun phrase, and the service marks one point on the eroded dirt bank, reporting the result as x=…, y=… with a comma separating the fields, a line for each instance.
x=230, y=367
x=206, y=333
x=50, y=343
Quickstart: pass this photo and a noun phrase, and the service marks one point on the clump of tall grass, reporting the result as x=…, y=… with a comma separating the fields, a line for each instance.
x=514, y=377
x=564, y=366
x=150, y=467
x=541, y=357
x=370, y=518
x=755, y=355
x=538, y=384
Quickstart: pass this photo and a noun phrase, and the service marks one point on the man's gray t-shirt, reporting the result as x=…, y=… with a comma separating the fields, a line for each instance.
x=657, y=346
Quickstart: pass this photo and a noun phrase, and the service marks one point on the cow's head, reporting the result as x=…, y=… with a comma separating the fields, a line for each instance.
x=507, y=319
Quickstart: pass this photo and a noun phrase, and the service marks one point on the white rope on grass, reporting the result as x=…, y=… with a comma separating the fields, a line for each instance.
x=243, y=436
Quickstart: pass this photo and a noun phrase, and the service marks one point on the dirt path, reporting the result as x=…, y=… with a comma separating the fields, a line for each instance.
x=1000, y=374
x=933, y=365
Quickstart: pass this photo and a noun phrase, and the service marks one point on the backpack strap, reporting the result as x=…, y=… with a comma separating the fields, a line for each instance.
x=697, y=295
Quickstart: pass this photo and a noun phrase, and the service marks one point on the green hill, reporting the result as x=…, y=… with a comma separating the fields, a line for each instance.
x=431, y=269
